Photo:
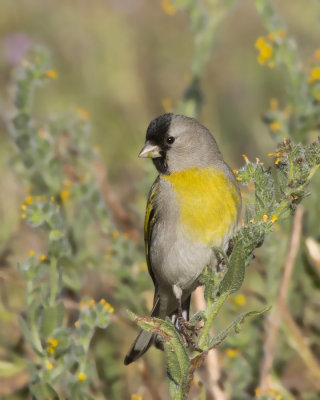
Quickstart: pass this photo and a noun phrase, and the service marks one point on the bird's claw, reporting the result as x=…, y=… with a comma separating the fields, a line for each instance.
x=184, y=326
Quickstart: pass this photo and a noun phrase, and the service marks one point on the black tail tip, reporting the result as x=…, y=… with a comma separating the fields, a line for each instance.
x=128, y=360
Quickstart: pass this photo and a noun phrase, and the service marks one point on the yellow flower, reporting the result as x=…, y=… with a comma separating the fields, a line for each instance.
x=232, y=353
x=278, y=154
x=31, y=253
x=167, y=104
x=82, y=377
x=76, y=324
x=251, y=221
x=108, y=254
x=273, y=219
x=265, y=218
x=239, y=300
x=102, y=301
x=28, y=200
x=275, y=126
x=51, y=199
x=277, y=161
x=314, y=75
x=317, y=96
x=136, y=397
x=41, y=133
x=43, y=257
x=23, y=216
x=246, y=159
x=23, y=207
x=51, y=73
x=265, y=50
x=50, y=349
x=273, y=104
x=238, y=179
x=235, y=171
x=271, y=36
x=66, y=183
x=49, y=366
x=91, y=303
x=65, y=195
x=108, y=307
x=115, y=234
x=85, y=114
x=53, y=342
x=168, y=7
x=257, y=391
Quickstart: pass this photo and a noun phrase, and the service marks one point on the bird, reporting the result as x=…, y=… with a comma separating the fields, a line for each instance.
x=193, y=205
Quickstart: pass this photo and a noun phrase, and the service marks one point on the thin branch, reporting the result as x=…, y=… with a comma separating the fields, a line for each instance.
x=212, y=365
x=273, y=323
x=147, y=379
x=298, y=342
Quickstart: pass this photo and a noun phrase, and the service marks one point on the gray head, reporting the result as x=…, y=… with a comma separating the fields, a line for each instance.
x=175, y=142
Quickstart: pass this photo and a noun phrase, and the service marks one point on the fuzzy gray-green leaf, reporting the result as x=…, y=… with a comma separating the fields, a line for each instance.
x=220, y=337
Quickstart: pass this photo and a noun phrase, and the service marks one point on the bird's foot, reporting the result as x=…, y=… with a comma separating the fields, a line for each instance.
x=186, y=337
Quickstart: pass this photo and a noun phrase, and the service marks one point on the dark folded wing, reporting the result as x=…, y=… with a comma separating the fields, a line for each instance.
x=149, y=222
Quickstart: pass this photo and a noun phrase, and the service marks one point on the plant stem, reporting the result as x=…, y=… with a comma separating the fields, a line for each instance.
x=53, y=281
x=214, y=309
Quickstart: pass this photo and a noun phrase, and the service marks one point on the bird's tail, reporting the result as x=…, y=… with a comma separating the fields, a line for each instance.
x=145, y=339
x=140, y=346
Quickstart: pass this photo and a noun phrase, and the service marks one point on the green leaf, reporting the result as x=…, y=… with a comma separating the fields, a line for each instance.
x=176, y=353
x=234, y=276
x=52, y=318
x=235, y=325
x=63, y=336
x=28, y=335
x=21, y=120
x=56, y=234
x=43, y=391
x=198, y=316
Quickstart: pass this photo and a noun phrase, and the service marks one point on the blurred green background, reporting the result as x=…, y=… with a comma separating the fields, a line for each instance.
x=119, y=59
x=123, y=60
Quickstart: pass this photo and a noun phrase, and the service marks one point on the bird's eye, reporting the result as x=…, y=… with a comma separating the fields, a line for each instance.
x=170, y=139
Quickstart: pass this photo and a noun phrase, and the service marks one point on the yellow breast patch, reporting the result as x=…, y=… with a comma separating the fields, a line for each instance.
x=209, y=203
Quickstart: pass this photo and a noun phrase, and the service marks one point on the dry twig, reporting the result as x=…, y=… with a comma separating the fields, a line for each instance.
x=212, y=366
x=273, y=322
x=298, y=341
x=148, y=380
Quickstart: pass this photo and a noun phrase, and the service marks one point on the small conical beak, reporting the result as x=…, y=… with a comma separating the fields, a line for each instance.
x=150, y=150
